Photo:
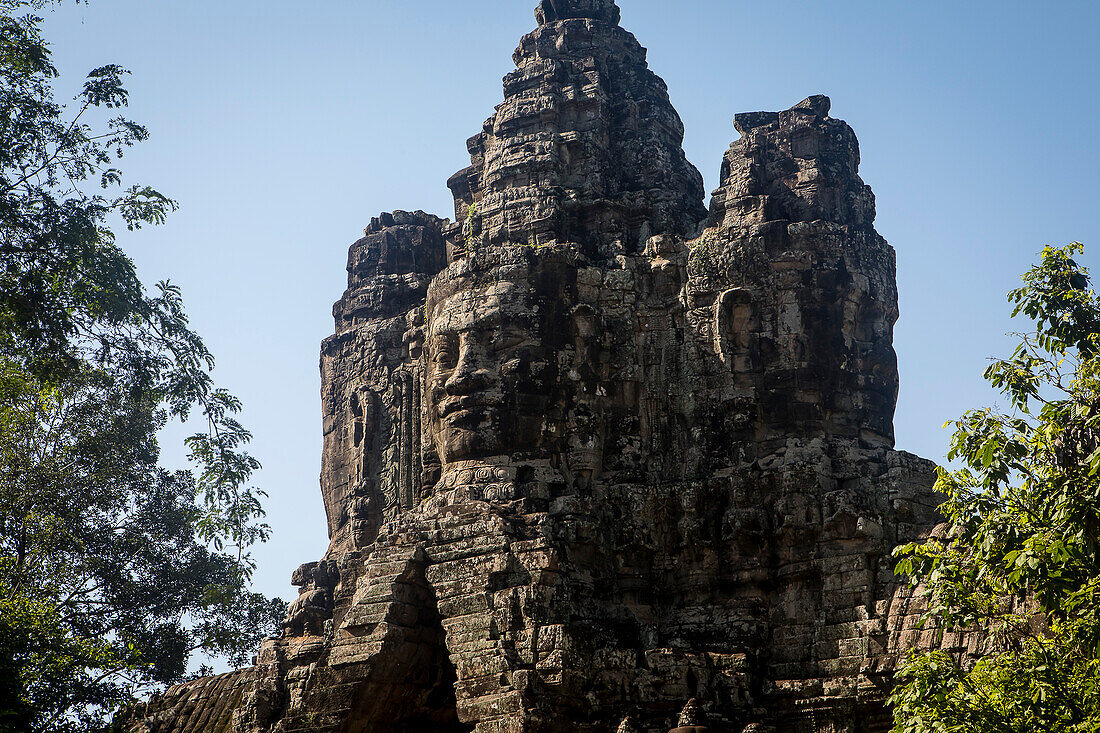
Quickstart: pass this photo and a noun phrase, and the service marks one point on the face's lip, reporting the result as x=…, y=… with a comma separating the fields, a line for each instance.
x=454, y=405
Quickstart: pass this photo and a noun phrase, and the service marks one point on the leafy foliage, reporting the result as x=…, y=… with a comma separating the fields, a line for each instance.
x=1021, y=557
x=113, y=570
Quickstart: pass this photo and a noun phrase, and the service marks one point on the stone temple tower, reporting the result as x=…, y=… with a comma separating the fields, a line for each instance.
x=592, y=450
x=585, y=147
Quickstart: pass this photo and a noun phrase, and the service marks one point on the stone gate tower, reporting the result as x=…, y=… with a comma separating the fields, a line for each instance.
x=592, y=450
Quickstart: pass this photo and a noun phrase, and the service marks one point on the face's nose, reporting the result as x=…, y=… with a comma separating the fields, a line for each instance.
x=473, y=372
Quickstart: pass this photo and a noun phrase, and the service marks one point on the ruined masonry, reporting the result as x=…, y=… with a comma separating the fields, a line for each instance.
x=597, y=458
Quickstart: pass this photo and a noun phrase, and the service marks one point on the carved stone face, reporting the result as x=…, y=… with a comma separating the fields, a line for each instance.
x=489, y=372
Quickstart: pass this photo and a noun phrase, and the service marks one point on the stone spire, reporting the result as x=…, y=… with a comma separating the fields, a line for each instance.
x=799, y=165
x=586, y=147
x=550, y=11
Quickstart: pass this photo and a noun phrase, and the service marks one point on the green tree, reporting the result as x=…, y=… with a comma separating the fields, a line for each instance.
x=113, y=570
x=1020, y=560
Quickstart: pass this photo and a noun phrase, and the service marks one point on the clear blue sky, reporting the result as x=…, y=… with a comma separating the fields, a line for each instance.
x=282, y=127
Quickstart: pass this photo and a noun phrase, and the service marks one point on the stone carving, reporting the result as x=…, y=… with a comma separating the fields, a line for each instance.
x=592, y=450
x=585, y=148
x=627, y=726
x=691, y=714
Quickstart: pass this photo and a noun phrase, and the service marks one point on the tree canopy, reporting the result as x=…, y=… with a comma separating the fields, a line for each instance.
x=113, y=569
x=1020, y=560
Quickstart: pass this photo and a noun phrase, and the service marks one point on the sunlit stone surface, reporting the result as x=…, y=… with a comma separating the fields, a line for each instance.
x=591, y=451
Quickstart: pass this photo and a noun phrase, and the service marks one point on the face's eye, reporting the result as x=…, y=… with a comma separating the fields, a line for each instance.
x=506, y=338
x=444, y=350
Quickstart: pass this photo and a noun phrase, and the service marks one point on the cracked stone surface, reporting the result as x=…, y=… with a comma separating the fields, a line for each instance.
x=592, y=450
